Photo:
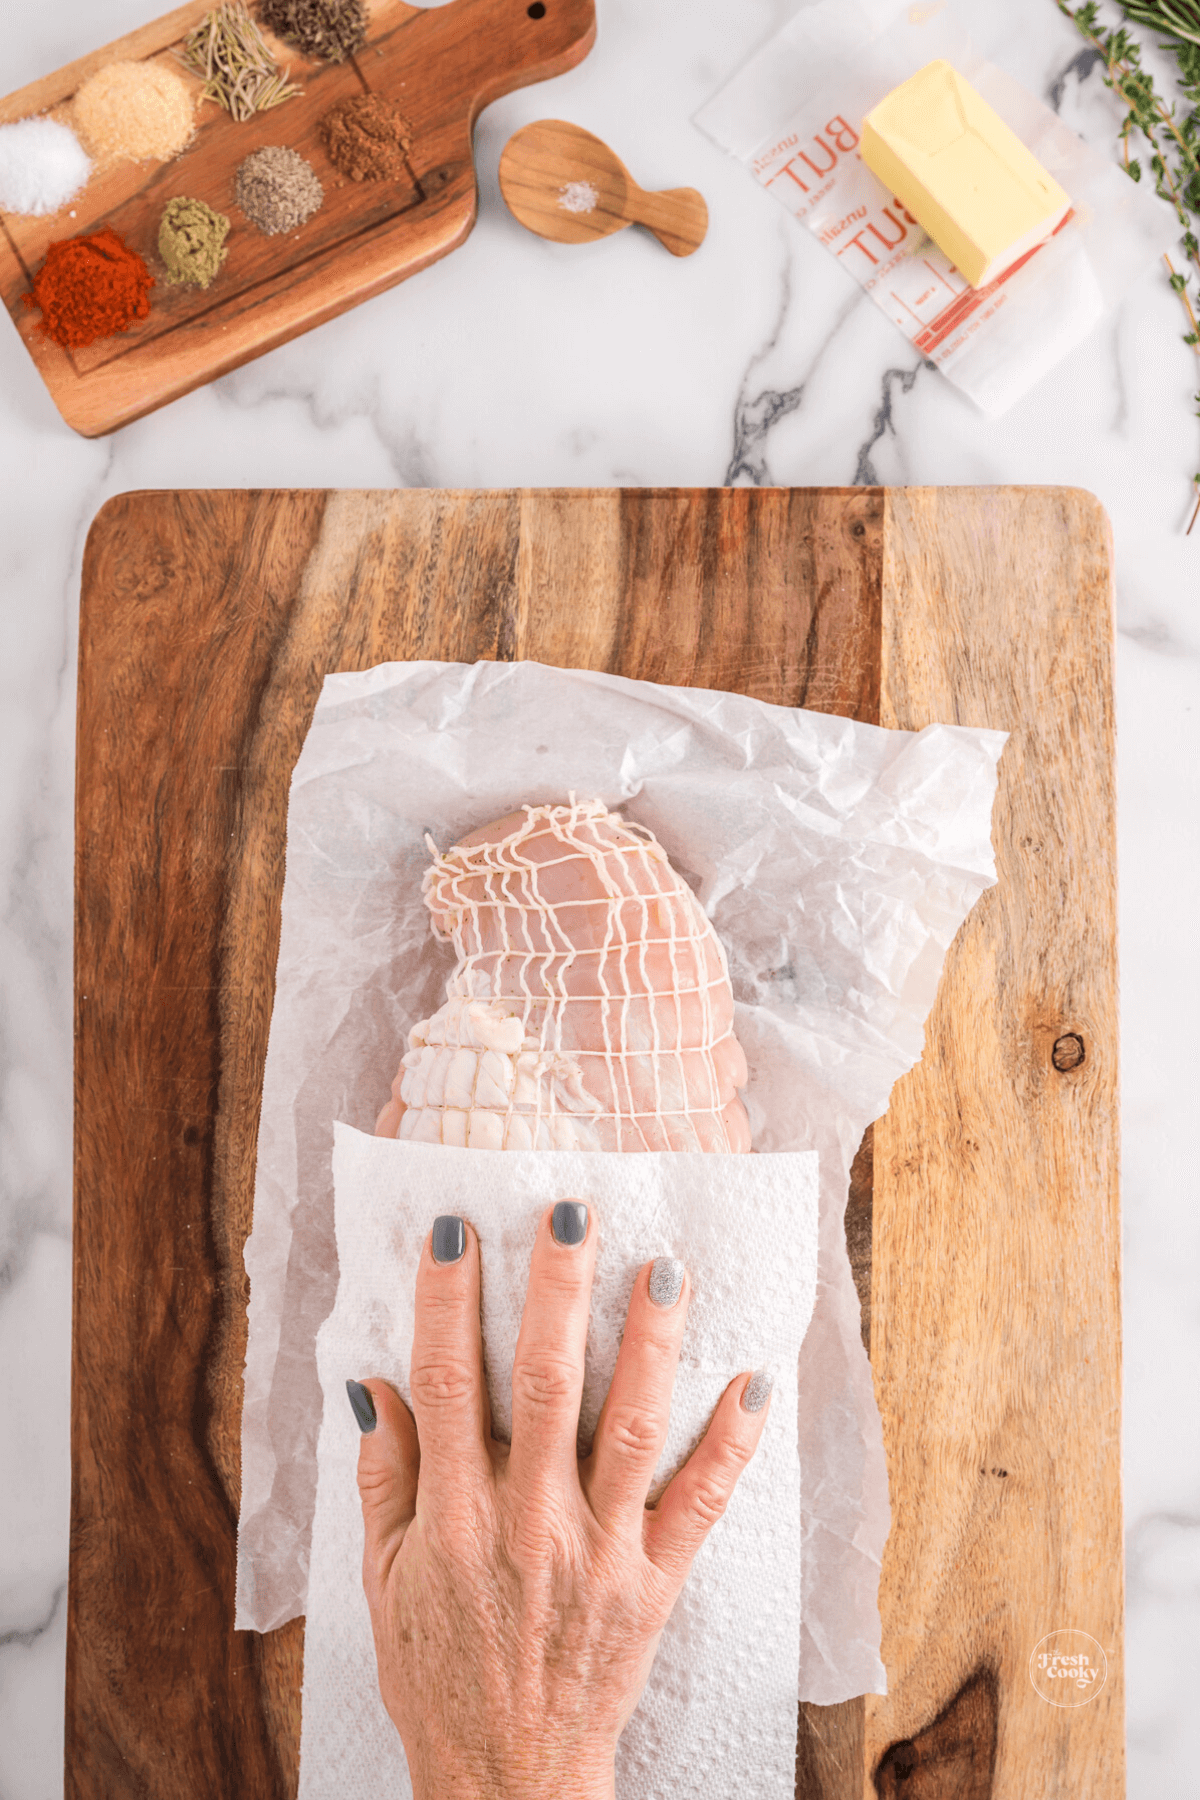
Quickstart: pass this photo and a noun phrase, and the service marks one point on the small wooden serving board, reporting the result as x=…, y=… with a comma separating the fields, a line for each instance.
x=984, y=1238
x=441, y=64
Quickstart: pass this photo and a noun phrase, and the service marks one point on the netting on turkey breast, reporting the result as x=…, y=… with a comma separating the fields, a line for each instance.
x=590, y=1005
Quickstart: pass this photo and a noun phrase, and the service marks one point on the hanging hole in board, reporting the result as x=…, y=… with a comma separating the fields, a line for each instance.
x=537, y=10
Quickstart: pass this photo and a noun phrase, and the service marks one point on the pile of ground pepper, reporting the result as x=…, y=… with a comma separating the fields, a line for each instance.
x=366, y=138
x=277, y=190
x=139, y=111
x=334, y=29
x=191, y=241
x=90, y=287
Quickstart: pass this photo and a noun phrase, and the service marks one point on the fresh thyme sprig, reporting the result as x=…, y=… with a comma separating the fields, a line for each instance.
x=1174, y=144
x=1180, y=16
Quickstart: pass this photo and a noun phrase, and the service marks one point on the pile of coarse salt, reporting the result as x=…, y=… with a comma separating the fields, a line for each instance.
x=42, y=166
x=578, y=197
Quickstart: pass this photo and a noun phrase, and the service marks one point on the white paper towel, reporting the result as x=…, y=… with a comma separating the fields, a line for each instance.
x=836, y=861
x=718, y=1716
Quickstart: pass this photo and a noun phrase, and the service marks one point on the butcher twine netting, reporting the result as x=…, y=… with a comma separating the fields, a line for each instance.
x=590, y=1007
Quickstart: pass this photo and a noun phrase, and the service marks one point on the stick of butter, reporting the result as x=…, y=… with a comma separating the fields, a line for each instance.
x=963, y=175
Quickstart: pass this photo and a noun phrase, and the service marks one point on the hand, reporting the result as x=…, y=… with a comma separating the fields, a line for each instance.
x=518, y=1594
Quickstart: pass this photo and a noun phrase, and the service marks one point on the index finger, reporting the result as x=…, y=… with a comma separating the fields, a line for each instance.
x=449, y=1396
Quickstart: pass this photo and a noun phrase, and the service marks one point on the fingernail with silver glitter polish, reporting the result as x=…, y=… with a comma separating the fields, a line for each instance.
x=666, y=1280
x=757, y=1391
x=568, y=1222
x=362, y=1406
x=449, y=1238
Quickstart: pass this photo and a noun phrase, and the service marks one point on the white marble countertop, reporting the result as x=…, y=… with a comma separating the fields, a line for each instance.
x=520, y=362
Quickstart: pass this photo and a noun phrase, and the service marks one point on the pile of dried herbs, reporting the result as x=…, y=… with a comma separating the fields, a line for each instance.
x=229, y=52
x=191, y=241
x=334, y=29
x=1173, y=140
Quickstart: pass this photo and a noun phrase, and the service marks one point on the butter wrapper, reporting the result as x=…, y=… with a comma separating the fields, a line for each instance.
x=793, y=115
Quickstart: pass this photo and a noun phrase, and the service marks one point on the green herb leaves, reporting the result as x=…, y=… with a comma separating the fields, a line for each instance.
x=1180, y=16
x=1174, y=143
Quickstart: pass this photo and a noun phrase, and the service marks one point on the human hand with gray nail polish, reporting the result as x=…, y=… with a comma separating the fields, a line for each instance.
x=518, y=1592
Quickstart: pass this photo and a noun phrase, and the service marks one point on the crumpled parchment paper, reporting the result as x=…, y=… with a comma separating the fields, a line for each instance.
x=836, y=860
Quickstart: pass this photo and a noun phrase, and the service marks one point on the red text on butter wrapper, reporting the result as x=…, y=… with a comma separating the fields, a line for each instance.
x=838, y=139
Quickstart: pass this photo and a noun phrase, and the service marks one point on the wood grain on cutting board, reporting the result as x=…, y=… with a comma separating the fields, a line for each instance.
x=208, y=623
x=996, y=1335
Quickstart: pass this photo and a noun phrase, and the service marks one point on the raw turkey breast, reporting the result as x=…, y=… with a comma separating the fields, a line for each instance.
x=590, y=1006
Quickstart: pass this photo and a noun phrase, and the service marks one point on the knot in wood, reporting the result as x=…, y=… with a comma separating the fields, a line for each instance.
x=1068, y=1052
x=905, y=1758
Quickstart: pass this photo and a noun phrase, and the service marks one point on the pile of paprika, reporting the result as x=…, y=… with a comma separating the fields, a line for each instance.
x=90, y=287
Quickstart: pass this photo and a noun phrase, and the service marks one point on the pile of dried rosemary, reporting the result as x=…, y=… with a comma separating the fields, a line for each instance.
x=231, y=54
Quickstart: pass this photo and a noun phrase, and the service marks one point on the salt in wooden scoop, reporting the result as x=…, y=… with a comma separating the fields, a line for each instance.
x=562, y=183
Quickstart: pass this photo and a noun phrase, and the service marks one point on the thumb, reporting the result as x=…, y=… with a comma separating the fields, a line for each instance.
x=389, y=1461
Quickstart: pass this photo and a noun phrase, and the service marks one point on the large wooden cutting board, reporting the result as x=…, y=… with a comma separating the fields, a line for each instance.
x=443, y=64
x=985, y=1239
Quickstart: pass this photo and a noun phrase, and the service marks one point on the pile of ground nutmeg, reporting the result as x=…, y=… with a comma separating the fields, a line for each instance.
x=136, y=110
x=366, y=137
x=334, y=29
x=277, y=190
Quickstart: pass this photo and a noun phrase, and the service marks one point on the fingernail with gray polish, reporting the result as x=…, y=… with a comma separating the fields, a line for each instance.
x=666, y=1280
x=362, y=1406
x=449, y=1238
x=568, y=1222
x=757, y=1391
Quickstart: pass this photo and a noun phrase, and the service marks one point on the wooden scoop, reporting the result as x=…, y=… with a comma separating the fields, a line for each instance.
x=562, y=183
